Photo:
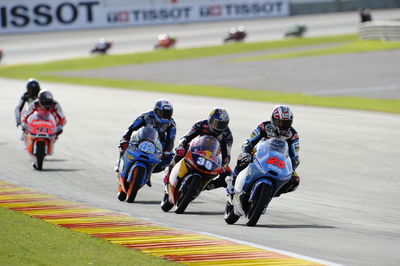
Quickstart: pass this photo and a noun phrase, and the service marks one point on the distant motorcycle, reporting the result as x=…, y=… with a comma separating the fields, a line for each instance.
x=101, y=47
x=297, y=30
x=1, y=53
x=40, y=136
x=138, y=162
x=260, y=181
x=236, y=35
x=165, y=41
x=190, y=176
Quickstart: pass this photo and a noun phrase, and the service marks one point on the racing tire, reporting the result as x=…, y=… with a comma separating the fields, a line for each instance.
x=260, y=202
x=165, y=204
x=188, y=195
x=137, y=176
x=39, y=156
x=229, y=215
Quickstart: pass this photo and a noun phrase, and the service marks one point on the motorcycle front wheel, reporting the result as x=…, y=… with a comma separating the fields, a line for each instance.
x=259, y=204
x=135, y=184
x=39, y=156
x=188, y=195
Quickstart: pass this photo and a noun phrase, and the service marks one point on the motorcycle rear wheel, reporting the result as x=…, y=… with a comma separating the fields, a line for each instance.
x=188, y=195
x=137, y=176
x=259, y=204
x=40, y=153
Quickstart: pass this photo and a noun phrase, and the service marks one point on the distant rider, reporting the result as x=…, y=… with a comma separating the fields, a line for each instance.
x=161, y=120
x=279, y=126
x=217, y=126
x=46, y=102
x=31, y=94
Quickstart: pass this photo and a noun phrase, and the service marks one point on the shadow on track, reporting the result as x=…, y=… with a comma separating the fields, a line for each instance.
x=60, y=170
x=204, y=213
x=151, y=202
x=294, y=226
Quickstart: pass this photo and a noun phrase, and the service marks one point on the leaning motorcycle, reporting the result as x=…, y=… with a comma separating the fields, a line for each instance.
x=201, y=164
x=137, y=163
x=40, y=135
x=260, y=181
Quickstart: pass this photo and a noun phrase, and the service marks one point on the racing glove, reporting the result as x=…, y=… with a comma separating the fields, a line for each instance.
x=59, y=130
x=180, y=151
x=123, y=144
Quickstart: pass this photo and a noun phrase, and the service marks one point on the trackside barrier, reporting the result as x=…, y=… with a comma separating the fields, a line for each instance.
x=172, y=244
x=380, y=30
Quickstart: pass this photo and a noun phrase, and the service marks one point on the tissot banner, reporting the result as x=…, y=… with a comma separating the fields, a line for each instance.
x=33, y=16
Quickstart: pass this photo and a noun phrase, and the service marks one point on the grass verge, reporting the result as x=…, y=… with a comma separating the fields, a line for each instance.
x=46, y=71
x=29, y=241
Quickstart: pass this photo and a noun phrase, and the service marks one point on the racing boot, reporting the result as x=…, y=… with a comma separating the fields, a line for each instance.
x=167, y=174
x=230, y=188
x=149, y=181
x=294, y=182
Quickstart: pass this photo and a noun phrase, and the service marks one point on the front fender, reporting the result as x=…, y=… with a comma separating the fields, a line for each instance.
x=136, y=164
x=257, y=184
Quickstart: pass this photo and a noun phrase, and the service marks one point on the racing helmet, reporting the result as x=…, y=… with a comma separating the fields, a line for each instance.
x=33, y=88
x=282, y=119
x=46, y=99
x=218, y=120
x=163, y=110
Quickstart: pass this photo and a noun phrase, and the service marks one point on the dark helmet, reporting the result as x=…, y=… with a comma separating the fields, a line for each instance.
x=163, y=110
x=282, y=119
x=33, y=88
x=218, y=120
x=46, y=99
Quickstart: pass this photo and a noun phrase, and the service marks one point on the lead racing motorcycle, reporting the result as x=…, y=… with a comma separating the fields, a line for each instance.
x=201, y=164
x=260, y=181
x=138, y=162
x=40, y=136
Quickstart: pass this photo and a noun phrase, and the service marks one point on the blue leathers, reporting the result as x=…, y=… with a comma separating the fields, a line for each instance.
x=166, y=131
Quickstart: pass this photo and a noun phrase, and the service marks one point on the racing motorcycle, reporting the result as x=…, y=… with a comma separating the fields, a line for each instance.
x=40, y=135
x=1, y=53
x=236, y=35
x=260, y=181
x=101, y=47
x=297, y=30
x=165, y=41
x=201, y=164
x=138, y=162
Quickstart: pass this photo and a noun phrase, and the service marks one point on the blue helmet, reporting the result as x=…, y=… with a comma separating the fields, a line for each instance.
x=163, y=110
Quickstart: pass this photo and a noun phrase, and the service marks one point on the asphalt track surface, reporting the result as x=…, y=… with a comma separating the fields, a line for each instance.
x=346, y=210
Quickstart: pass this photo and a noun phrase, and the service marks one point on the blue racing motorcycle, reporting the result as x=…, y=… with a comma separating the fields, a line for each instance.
x=260, y=181
x=138, y=162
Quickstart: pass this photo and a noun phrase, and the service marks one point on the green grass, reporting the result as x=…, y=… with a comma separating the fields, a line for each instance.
x=345, y=44
x=25, y=240
x=359, y=46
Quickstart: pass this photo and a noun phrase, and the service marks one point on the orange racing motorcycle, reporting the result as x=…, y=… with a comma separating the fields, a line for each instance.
x=201, y=164
x=40, y=135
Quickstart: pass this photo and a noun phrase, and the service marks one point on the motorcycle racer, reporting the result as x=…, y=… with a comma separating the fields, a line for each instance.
x=46, y=103
x=31, y=94
x=217, y=126
x=161, y=120
x=280, y=125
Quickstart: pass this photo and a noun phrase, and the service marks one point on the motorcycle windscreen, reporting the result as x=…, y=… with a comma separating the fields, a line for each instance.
x=147, y=134
x=272, y=156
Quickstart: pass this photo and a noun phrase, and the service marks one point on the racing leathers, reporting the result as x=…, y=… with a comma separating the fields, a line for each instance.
x=225, y=139
x=55, y=109
x=166, y=133
x=266, y=130
x=25, y=98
